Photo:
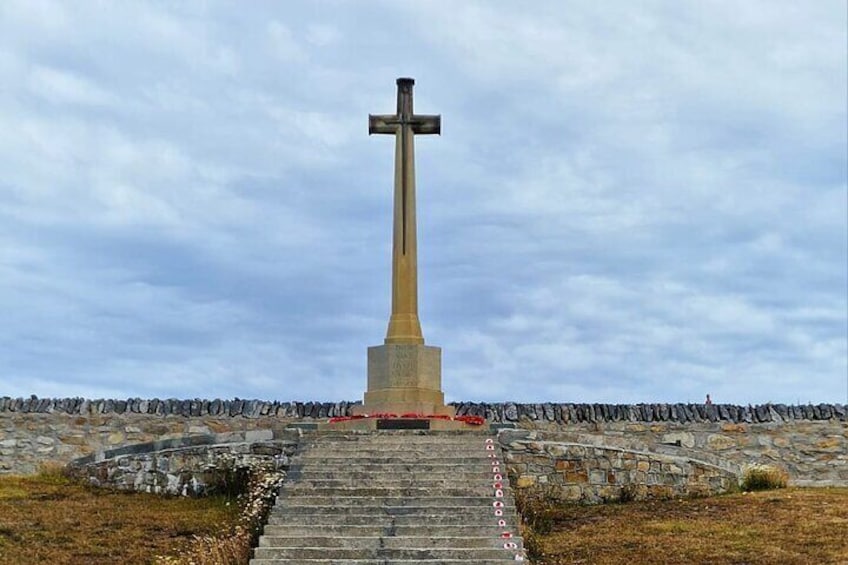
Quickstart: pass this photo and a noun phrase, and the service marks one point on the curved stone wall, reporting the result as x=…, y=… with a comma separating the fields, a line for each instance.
x=810, y=442
x=567, y=471
x=188, y=465
x=590, y=474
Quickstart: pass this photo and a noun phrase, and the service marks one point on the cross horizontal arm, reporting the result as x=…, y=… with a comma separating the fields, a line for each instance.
x=388, y=124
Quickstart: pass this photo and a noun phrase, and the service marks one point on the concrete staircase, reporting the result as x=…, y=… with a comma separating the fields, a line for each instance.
x=394, y=498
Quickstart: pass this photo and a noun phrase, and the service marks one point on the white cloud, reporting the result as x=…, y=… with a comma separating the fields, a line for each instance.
x=322, y=35
x=61, y=87
x=283, y=43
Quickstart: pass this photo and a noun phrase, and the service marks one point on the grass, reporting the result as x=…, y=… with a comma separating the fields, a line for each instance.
x=235, y=545
x=49, y=519
x=764, y=477
x=789, y=526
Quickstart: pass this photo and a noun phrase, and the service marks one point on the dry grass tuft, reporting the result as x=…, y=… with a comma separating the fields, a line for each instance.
x=763, y=477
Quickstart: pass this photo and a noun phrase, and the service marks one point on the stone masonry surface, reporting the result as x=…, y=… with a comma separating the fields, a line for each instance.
x=809, y=441
x=189, y=465
x=592, y=473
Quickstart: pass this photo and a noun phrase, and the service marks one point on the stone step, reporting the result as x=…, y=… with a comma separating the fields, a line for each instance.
x=388, y=521
x=438, y=523
x=388, y=528
x=385, y=457
x=342, y=479
x=470, y=555
x=362, y=476
x=417, y=472
x=422, y=448
x=393, y=481
x=419, y=446
x=435, y=521
x=452, y=502
x=394, y=506
x=387, y=542
x=398, y=443
x=383, y=491
x=451, y=466
x=398, y=435
x=300, y=561
x=364, y=443
x=397, y=457
x=401, y=516
x=404, y=498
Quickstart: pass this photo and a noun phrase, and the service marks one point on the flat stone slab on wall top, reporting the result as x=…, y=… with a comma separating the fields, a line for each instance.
x=493, y=412
x=286, y=437
x=678, y=412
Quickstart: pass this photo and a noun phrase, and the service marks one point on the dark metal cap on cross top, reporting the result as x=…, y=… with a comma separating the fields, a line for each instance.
x=420, y=124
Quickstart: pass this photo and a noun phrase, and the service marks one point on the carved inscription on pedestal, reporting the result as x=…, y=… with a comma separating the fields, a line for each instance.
x=403, y=363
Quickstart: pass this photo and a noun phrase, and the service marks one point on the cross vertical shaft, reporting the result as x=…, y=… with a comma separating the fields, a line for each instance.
x=404, y=325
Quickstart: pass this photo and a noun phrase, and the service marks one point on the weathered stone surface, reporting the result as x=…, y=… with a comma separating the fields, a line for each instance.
x=316, y=410
x=789, y=435
x=826, y=411
x=538, y=412
x=181, y=467
x=684, y=439
x=576, y=474
x=549, y=412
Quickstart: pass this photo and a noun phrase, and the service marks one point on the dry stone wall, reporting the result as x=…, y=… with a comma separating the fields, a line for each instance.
x=189, y=465
x=571, y=413
x=590, y=474
x=34, y=431
x=809, y=441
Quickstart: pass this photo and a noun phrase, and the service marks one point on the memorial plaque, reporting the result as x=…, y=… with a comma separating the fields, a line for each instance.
x=403, y=424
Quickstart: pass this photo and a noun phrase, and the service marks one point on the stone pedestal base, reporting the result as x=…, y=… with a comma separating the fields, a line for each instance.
x=404, y=379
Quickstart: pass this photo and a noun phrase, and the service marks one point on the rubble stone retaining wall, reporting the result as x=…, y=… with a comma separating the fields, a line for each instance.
x=810, y=442
x=34, y=431
x=590, y=474
x=189, y=465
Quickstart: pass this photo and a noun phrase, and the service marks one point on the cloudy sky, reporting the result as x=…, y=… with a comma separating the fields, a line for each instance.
x=630, y=200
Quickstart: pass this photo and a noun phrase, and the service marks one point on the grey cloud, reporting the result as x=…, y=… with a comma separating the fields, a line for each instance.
x=628, y=202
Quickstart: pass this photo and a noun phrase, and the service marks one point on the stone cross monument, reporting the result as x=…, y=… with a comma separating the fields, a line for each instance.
x=404, y=375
